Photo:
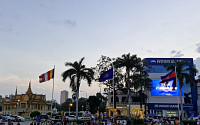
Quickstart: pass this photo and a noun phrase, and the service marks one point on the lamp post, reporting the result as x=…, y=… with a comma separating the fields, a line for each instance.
x=82, y=107
x=18, y=107
x=70, y=105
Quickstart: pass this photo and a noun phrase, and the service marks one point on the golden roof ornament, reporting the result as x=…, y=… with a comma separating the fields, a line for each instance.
x=29, y=91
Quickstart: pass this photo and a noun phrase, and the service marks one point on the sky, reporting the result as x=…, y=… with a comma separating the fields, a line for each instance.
x=35, y=35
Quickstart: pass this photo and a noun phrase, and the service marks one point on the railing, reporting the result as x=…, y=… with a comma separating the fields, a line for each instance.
x=125, y=103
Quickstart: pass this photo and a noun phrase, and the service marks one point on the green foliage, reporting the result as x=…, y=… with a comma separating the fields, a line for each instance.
x=67, y=114
x=94, y=103
x=27, y=117
x=58, y=107
x=34, y=113
x=48, y=113
x=189, y=122
x=135, y=121
x=80, y=114
x=82, y=102
x=79, y=121
x=76, y=73
x=72, y=113
x=65, y=105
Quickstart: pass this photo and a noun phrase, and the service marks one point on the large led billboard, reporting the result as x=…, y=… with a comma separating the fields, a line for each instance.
x=165, y=89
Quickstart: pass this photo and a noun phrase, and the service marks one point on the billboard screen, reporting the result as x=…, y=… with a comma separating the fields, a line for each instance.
x=165, y=89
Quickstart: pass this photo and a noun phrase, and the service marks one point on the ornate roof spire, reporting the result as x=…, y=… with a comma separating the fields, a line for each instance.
x=29, y=91
x=16, y=91
x=30, y=83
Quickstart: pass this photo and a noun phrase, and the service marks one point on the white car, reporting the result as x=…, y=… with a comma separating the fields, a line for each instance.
x=21, y=119
x=8, y=117
x=18, y=118
x=71, y=117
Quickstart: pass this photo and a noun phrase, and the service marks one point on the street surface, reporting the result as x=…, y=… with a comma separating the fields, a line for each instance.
x=27, y=122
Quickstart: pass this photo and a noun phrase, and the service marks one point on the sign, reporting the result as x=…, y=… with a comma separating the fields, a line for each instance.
x=169, y=61
x=165, y=106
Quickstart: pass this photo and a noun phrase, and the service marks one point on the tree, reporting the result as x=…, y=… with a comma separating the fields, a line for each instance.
x=34, y=113
x=182, y=74
x=65, y=105
x=103, y=100
x=141, y=82
x=104, y=64
x=58, y=107
x=131, y=64
x=82, y=104
x=94, y=103
x=76, y=73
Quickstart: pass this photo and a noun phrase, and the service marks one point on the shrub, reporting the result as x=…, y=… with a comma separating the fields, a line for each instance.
x=189, y=122
x=80, y=114
x=48, y=113
x=35, y=113
x=72, y=113
x=67, y=114
x=27, y=117
x=135, y=121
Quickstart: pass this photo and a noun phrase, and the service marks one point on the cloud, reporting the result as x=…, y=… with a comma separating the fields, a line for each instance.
x=69, y=22
x=41, y=88
x=6, y=30
x=198, y=48
x=9, y=79
x=66, y=22
x=173, y=51
x=177, y=53
x=149, y=51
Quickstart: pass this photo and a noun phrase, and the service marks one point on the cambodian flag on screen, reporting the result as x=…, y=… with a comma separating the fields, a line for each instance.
x=169, y=76
x=106, y=75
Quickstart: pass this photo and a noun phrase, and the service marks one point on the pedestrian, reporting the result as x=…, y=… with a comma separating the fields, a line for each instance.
x=65, y=121
x=31, y=123
x=18, y=123
x=10, y=122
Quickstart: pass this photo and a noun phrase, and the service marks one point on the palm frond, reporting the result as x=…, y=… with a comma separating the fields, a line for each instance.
x=67, y=74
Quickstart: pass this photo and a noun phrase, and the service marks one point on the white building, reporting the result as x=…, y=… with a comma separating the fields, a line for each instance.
x=63, y=96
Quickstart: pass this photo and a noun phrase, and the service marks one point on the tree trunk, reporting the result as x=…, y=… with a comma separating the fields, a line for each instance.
x=77, y=96
x=181, y=102
x=129, y=101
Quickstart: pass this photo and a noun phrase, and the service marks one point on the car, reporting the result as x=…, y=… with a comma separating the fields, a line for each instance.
x=173, y=118
x=8, y=117
x=18, y=118
x=193, y=118
x=21, y=119
x=71, y=117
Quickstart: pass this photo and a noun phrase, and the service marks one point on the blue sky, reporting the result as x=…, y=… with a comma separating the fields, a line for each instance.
x=35, y=35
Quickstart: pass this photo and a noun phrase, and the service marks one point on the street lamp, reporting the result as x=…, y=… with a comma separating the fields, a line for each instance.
x=18, y=107
x=82, y=107
x=70, y=105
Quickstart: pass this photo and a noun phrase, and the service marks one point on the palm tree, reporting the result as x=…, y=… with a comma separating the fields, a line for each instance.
x=76, y=73
x=141, y=82
x=130, y=63
x=182, y=74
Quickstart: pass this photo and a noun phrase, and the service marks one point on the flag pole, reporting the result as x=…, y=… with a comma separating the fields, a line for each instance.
x=177, y=94
x=52, y=94
x=113, y=94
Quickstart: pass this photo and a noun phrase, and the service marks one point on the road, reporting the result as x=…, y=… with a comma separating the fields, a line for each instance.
x=27, y=122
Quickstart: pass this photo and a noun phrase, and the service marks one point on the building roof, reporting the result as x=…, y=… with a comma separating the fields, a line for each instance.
x=28, y=97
